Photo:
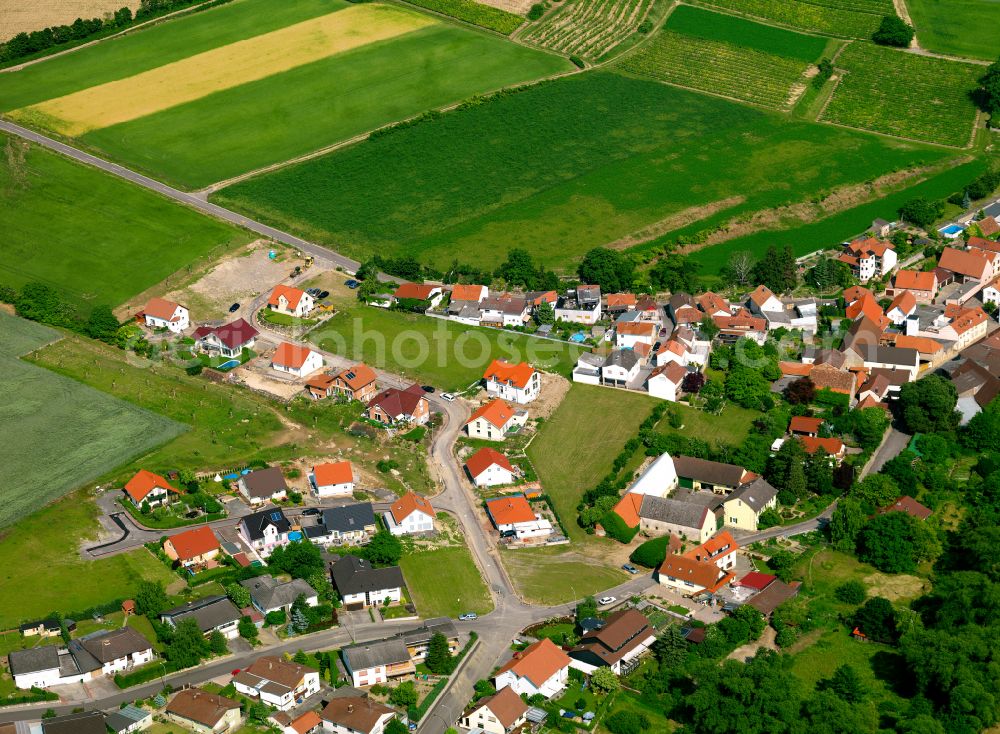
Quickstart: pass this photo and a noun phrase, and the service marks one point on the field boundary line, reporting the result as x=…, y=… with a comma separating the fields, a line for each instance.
x=966, y=146
x=768, y=21
x=168, y=16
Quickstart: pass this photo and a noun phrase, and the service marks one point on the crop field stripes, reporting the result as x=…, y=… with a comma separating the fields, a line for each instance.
x=933, y=106
x=841, y=18
x=587, y=28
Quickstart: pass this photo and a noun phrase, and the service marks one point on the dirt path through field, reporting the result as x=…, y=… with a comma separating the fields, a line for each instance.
x=675, y=221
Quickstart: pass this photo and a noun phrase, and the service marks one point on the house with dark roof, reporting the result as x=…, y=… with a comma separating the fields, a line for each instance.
x=265, y=530
x=211, y=613
x=892, y=358
x=127, y=720
x=277, y=682
x=661, y=515
x=712, y=476
x=392, y=406
x=229, y=340
x=620, y=367
x=41, y=628
x=203, y=712
x=267, y=594
x=742, y=508
x=352, y=524
x=361, y=586
x=374, y=662
x=581, y=305
x=45, y=666
x=263, y=485
x=81, y=722
x=625, y=636
x=500, y=713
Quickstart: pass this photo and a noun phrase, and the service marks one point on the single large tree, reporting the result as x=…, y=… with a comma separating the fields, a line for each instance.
x=150, y=599
x=188, y=646
x=928, y=405
x=893, y=31
x=439, y=658
x=612, y=270
x=385, y=549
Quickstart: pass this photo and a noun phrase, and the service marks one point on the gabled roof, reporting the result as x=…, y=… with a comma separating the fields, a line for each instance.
x=825, y=376
x=201, y=707
x=538, y=662
x=233, y=335
x=484, y=459
x=462, y=292
x=741, y=321
x=263, y=483
x=970, y=263
x=160, y=308
x=510, y=510
x=866, y=306
x=871, y=245
x=636, y=328
x=756, y=494
x=855, y=292
x=417, y=291
x=712, y=472
x=349, y=518
x=761, y=294
x=988, y=226
x=621, y=300
x=357, y=376
x=910, y=506
x=366, y=655
x=906, y=302
x=804, y=424
x=718, y=545
x=496, y=412
x=195, y=542
x=257, y=522
x=360, y=714
x=396, y=403
x=291, y=355
x=628, y=508
x=916, y=280
x=116, y=644
x=144, y=482
x=505, y=705
x=703, y=574
x=291, y=294
x=675, y=512
x=408, y=504
x=34, y=659
x=923, y=344
x=306, y=722
x=672, y=371
x=518, y=375
x=711, y=302
x=286, y=674
x=627, y=359
x=879, y=354
x=832, y=446
x=757, y=580
x=964, y=319
x=208, y=612
x=353, y=575
x=338, y=472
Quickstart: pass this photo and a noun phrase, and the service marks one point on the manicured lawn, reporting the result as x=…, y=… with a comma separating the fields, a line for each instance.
x=464, y=590
x=41, y=554
x=144, y=627
x=445, y=354
x=627, y=700
x=606, y=156
x=935, y=105
x=557, y=575
x=958, y=27
x=728, y=429
x=63, y=434
x=97, y=238
x=575, y=447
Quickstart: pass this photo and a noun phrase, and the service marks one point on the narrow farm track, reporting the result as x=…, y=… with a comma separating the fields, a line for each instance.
x=182, y=197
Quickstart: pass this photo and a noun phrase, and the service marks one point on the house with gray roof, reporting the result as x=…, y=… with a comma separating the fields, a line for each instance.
x=374, y=662
x=81, y=722
x=360, y=585
x=265, y=530
x=270, y=595
x=212, y=613
x=128, y=720
x=118, y=650
x=743, y=507
x=620, y=368
x=263, y=485
x=349, y=525
x=661, y=515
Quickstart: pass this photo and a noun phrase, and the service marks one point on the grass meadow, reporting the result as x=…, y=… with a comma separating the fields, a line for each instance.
x=306, y=78
x=558, y=575
x=464, y=591
x=434, y=351
x=727, y=55
x=65, y=434
x=606, y=156
x=573, y=451
x=854, y=19
x=934, y=105
x=958, y=27
x=97, y=238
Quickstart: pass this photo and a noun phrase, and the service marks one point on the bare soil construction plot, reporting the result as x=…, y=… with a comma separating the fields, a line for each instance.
x=222, y=68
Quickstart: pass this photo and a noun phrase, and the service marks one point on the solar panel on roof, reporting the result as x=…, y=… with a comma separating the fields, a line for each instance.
x=276, y=516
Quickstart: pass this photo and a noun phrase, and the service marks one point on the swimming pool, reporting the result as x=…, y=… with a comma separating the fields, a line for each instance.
x=295, y=535
x=229, y=365
x=952, y=230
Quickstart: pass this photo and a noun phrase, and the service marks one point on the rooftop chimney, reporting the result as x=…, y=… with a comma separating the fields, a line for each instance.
x=350, y=708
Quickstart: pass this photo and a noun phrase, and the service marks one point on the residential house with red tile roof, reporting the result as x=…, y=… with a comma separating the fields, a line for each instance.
x=626, y=635
x=621, y=302
x=489, y=468
x=519, y=383
x=714, y=305
x=910, y=506
x=194, y=547
x=832, y=446
x=357, y=382
x=159, y=313
x=419, y=292
x=409, y=515
x=513, y=517
x=902, y=307
x=290, y=301
x=149, y=488
x=473, y=294
x=869, y=258
x=763, y=299
x=802, y=425
x=688, y=575
x=494, y=420
x=296, y=360
x=229, y=340
x=968, y=265
x=741, y=324
x=630, y=333
x=501, y=713
x=922, y=284
x=393, y=406
x=333, y=479
x=541, y=668
x=665, y=382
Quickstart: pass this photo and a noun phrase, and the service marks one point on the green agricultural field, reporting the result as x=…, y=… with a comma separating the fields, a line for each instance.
x=588, y=28
x=96, y=237
x=573, y=452
x=607, y=156
x=829, y=231
x=442, y=353
x=726, y=55
x=464, y=592
x=325, y=79
x=42, y=553
x=63, y=434
x=476, y=13
x=844, y=18
x=958, y=27
x=934, y=105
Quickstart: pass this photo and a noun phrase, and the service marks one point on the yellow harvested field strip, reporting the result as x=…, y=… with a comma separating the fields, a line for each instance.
x=222, y=68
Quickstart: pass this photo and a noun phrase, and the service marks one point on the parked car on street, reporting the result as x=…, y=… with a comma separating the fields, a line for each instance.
x=468, y=616
x=605, y=600
x=234, y=308
x=448, y=396
x=630, y=568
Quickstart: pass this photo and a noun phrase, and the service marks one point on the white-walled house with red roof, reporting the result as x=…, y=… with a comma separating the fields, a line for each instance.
x=160, y=313
x=410, y=514
x=518, y=383
x=541, y=668
x=489, y=468
x=229, y=340
x=296, y=360
x=149, y=488
x=290, y=301
x=334, y=479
